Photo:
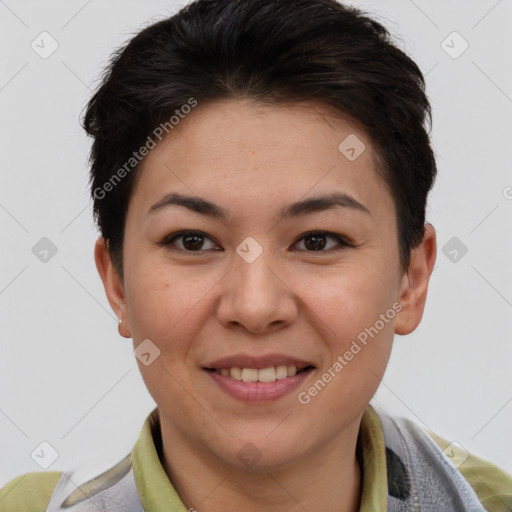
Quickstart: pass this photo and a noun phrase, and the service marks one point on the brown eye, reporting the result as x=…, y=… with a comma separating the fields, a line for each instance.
x=191, y=241
x=317, y=241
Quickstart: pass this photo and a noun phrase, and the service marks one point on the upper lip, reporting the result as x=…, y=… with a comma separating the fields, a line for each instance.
x=258, y=362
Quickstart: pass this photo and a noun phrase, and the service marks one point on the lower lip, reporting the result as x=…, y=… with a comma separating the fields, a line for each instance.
x=258, y=391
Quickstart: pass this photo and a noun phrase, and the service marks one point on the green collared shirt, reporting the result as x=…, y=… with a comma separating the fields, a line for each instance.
x=31, y=492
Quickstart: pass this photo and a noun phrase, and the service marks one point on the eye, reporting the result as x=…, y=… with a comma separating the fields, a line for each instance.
x=191, y=241
x=315, y=241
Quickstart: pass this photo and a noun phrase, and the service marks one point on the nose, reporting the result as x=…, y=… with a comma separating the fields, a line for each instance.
x=256, y=296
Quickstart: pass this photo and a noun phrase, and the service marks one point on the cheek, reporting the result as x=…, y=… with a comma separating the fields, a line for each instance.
x=164, y=307
x=164, y=304
x=346, y=303
x=355, y=320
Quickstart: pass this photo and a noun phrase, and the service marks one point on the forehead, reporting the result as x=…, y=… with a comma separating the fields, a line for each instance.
x=255, y=152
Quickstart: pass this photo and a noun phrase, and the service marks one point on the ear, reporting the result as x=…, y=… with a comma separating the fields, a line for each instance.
x=113, y=285
x=414, y=286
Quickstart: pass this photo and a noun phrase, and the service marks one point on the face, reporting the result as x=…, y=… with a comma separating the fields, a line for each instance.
x=315, y=288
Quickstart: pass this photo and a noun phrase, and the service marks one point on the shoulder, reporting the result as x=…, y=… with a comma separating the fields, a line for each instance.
x=491, y=484
x=441, y=461
x=30, y=492
x=35, y=491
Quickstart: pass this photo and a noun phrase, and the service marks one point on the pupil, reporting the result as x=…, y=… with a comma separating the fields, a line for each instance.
x=318, y=242
x=197, y=241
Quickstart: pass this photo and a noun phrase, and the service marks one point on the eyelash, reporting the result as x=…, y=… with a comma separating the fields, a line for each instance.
x=343, y=243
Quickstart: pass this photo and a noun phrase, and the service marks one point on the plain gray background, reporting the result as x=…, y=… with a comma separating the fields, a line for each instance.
x=66, y=376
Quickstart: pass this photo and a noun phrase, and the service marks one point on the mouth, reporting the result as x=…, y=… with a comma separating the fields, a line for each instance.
x=258, y=379
x=267, y=374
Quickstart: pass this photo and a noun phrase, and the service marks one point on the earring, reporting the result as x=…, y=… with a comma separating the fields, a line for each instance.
x=119, y=328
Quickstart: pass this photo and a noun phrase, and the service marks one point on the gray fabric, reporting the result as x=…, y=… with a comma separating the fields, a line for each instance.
x=420, y=476
x=420, y=479
x=121, y=496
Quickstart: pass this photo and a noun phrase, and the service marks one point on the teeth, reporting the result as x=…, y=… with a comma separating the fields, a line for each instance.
x=269, y=374
x=281, y=372
x=236, y=373
x=249, y=375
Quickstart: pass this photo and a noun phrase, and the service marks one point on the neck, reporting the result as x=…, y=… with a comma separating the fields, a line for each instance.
x=327, y=478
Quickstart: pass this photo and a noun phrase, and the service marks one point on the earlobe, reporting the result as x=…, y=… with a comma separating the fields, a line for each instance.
x=113, y=285
x=414, y=286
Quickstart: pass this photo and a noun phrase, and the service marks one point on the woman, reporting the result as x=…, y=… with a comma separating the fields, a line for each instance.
x=260, y=171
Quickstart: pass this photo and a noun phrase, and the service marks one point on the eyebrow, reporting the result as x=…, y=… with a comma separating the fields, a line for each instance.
x=300, y=208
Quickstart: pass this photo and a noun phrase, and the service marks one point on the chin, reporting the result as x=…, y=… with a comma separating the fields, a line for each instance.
x=261, y=452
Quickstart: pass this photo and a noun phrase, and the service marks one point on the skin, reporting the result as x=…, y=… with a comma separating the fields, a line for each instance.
x=197, y=306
